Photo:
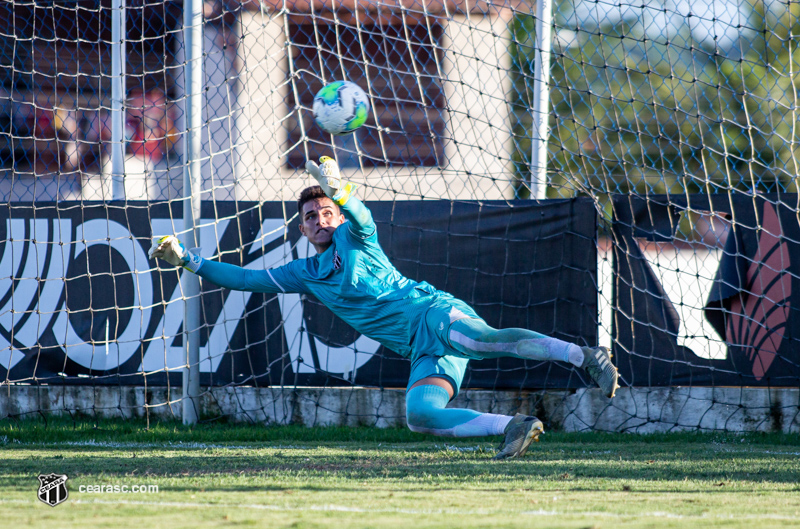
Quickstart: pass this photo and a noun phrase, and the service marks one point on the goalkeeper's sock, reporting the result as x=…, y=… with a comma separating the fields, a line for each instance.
x=426, y=413
x=475, y=339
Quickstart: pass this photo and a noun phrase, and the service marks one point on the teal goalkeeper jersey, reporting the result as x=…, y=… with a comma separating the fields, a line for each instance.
x=353, y=278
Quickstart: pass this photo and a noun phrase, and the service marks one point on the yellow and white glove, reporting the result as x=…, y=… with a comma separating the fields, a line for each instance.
x=327, y=175
x=172, y=250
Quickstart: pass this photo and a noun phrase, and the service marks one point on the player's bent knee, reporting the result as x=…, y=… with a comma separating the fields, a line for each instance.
x=421, y=420
x=424, y=422
x=417, y=429
x=423, y=404
x=419, y=416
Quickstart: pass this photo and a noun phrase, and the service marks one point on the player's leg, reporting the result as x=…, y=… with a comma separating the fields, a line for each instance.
x=458, y=326
x=474, y=338
x=426, y=412
x=434, y=381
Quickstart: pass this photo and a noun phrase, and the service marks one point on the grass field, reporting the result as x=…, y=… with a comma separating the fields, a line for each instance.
x=223, y=475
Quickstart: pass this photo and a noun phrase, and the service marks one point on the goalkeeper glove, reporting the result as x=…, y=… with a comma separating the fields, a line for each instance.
x=172, y=250
x=329, y=180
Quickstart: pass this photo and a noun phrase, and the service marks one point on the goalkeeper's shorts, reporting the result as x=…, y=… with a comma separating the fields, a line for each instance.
x=432, y=354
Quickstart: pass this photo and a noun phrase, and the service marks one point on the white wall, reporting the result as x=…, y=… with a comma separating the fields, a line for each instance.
x=478, y=139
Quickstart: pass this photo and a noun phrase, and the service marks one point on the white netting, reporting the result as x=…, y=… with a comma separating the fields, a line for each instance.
x=677, y=119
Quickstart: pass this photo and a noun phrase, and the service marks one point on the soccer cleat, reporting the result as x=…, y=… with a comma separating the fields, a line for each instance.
x=597, y=362
x=519, y=434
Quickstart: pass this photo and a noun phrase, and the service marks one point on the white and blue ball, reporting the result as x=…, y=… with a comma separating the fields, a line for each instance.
x=341, y=107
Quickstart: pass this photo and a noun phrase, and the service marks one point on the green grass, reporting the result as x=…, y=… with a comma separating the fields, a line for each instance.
x=225, y=475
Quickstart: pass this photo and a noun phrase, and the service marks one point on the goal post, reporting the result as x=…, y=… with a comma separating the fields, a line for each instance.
x=192, y=189
x=540, y=132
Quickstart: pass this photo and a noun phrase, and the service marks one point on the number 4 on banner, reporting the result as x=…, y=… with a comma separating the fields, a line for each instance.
x=160, y=354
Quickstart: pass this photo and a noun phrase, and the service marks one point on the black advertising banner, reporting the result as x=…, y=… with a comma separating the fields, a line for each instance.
x=752, y=304
x=80, y=303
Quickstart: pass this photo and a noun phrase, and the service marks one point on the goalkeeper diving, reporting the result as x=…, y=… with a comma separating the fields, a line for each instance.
x=439, y=334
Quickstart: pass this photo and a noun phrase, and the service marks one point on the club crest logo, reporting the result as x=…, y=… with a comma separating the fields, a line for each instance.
x=53, y=489
x=337, y=260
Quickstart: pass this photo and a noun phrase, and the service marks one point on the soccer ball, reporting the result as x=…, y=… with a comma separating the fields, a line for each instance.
x=340, y=107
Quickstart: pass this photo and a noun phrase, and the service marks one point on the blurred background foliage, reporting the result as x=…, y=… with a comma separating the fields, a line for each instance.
x=660, y=98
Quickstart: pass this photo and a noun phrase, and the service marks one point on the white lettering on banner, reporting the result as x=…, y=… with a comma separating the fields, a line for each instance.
x=28, y=278
x=295, y=329
x=103, y=355
x=159, y=357
x=39, y=279
x=689, y=277
x=234, y=307
x=160, y=354
x=38, y=283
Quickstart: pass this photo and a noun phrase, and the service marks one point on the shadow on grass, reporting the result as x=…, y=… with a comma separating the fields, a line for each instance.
x=332, y=468
x=333, y=457
x=80, y=429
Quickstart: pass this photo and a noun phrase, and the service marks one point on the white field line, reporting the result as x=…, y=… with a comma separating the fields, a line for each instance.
x=454, y=448
x=734, y=450
x=342, y=508
x=256, y=445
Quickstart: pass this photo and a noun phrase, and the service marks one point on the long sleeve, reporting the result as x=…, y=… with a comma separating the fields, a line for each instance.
x=272, y=281
x=361, y=224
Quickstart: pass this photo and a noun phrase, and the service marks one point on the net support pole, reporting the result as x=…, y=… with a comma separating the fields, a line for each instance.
x=193, y=93
x=118, y=33
x=541, y=98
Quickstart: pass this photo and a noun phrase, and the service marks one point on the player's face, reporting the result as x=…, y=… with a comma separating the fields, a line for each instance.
x=320, y=219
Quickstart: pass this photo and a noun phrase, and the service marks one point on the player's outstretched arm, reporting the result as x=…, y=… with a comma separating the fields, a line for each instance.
x=341, y=192
x=172, y=250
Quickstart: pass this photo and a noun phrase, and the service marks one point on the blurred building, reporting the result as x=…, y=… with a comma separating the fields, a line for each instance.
x=437, y=77
x=439, y=118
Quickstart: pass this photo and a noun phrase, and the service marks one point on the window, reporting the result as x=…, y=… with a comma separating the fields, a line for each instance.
x=55, y=45
x=402, y=77
x=55, y=76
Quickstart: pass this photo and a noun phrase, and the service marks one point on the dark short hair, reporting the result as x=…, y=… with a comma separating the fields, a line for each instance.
x=308, y=194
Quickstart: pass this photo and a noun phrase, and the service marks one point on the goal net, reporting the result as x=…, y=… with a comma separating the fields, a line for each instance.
x=663, y=225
